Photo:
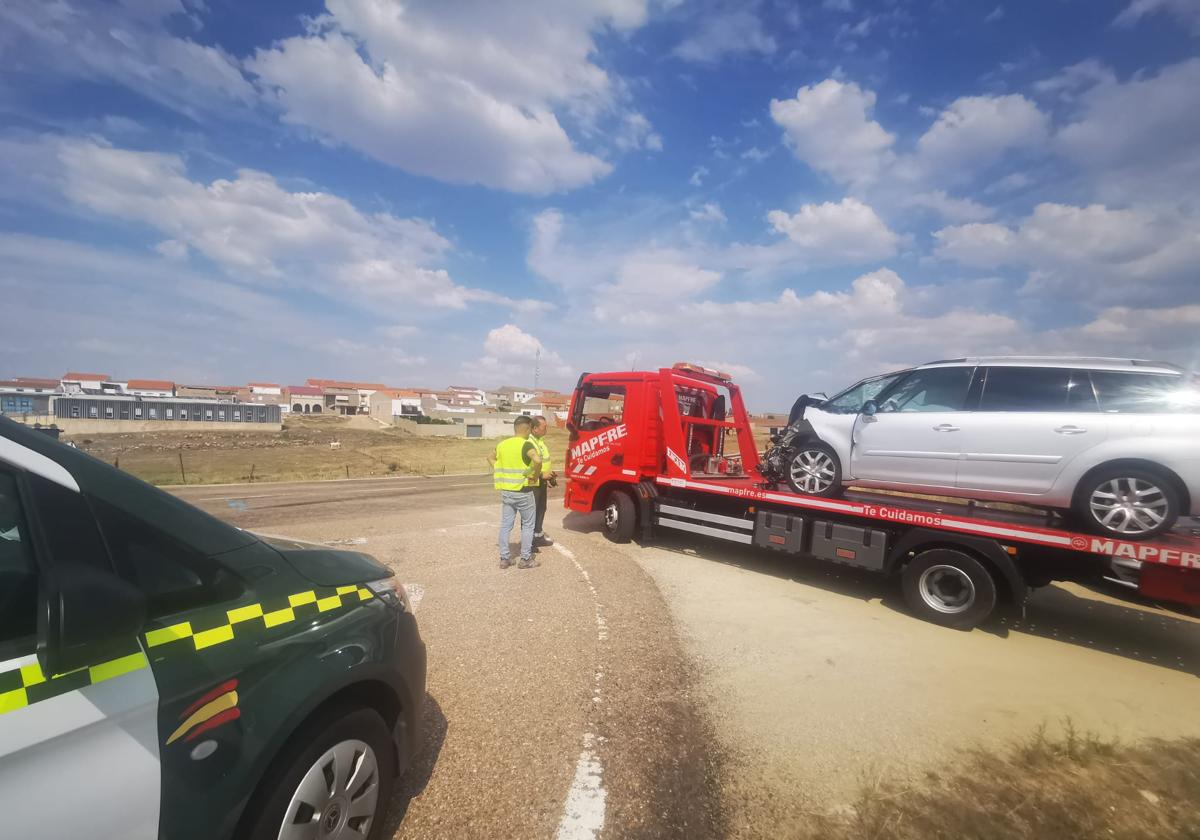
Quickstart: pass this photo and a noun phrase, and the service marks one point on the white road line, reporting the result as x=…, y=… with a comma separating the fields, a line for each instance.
x=583, y=812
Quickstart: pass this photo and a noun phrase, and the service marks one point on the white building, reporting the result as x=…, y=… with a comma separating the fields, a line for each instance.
x=265, y=389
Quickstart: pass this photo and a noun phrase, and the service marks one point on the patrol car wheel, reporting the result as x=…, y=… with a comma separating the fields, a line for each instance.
x=620, y=517
x=334, y=781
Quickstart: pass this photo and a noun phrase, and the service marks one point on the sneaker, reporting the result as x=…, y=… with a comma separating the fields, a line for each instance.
x=505, y=562
x=542, y=540
x=528, y=563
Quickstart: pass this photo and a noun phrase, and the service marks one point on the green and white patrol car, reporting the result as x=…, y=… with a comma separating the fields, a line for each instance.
x=164, y=674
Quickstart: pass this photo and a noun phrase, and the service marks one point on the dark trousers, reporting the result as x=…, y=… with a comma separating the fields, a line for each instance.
x=539, y=500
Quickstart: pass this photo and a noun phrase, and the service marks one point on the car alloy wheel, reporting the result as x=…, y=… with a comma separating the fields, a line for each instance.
x=1129, y=505
x=812, y=471
x=946, y=589
x=337, y=798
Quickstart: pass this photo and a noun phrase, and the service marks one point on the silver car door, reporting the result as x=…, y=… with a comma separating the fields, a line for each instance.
x=915, y=436
x=1031, y=422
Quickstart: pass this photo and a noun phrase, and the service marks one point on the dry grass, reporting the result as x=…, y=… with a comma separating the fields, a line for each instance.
x=301, y=452
x=1076, y=786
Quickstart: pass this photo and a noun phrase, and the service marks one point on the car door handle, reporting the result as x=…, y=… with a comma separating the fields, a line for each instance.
x=1071, y=430
x=945, y=427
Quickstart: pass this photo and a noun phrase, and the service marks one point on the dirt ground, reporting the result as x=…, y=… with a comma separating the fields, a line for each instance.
x=301, y=452
x=736, y=693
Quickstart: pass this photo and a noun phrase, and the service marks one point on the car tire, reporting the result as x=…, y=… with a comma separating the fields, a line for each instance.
x=1128, y=495
x=339, y=743
x=814, y=470
x=620, y=517
x=949, y=587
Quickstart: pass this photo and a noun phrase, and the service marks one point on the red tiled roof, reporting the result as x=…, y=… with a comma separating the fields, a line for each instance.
x=150, y=385
x=30, y=382
x=261, y=385
x=90, y=377
x=303, y=390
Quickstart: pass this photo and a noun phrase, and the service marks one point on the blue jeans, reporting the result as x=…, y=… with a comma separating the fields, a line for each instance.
x=512, y=502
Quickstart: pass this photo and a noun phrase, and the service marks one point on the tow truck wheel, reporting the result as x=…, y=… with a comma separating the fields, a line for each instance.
x=814, y=470
x=620, y=517
x=949, y=587
x=333, y=780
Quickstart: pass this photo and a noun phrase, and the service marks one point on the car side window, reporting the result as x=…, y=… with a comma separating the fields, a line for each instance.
x=1144, y=393
x=18, y=569
x=172, y=575
x=932, y=389
x=1025, y=389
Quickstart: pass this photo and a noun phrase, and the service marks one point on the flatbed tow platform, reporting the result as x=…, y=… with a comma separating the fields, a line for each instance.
x=651, y=450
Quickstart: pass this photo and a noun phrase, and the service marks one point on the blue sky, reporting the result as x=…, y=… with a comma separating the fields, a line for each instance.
x=429, y=192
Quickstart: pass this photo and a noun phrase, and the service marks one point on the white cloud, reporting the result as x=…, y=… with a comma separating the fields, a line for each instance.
x=1139, y=139
x=468, y=92
x=172, y=249
x=636, y=132
x=756, y=154
x=709, y=211
x=950, y=208
x=256, y=230
x=125, y=43
x=1101, y=254
x=829, y=127
x=1187, y=11
x=846, y=232
x=698, y=176
x=994, y=15
x=726, y=33
x=974, y=131
x=1076, y=77
x=511, y=352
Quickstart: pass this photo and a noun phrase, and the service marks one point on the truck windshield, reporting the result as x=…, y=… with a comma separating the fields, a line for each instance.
x=599, y=406
x=852, y=399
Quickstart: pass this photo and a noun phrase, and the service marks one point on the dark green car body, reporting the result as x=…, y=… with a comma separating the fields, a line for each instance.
x=247, y=638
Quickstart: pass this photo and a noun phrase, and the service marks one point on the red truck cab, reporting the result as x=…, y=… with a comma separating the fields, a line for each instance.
x=630, y=426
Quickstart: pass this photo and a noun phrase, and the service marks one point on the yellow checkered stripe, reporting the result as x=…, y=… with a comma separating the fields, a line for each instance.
x=28, y=684
x=257, y=617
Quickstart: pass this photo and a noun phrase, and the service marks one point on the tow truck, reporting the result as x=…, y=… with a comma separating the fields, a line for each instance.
x=674, y=449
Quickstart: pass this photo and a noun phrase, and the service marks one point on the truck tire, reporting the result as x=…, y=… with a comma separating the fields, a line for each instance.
x=949, y=587
x=620, y=517
x=336, y=771
x=1136, y=503
x=814, y=470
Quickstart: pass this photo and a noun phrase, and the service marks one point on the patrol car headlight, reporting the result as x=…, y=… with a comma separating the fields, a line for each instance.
x=391, y=591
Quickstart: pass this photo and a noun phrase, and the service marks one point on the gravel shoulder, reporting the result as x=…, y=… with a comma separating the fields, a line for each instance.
x=818, y=680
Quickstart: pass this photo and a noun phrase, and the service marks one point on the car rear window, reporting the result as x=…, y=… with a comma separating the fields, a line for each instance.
x=1144, y=393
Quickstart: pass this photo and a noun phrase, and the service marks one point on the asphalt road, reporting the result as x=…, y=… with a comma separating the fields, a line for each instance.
x=693, y=689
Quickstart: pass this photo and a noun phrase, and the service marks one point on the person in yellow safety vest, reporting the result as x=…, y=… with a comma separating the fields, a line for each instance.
x=517, y=459
x=539, y=483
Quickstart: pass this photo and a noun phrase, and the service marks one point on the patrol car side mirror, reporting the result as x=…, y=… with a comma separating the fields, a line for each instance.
x=869, y=408
x=87, y=616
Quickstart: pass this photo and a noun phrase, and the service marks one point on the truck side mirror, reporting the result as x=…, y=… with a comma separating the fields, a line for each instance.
x=572, y=429
x=870, y=407
x=87, y=616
